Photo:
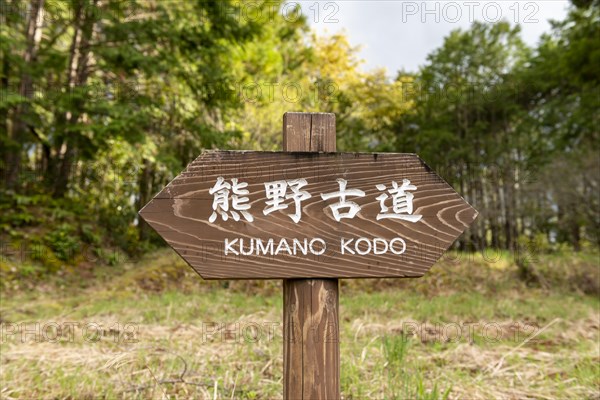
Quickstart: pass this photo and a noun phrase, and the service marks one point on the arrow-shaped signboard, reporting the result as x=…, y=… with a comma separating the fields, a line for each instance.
x=266, y=215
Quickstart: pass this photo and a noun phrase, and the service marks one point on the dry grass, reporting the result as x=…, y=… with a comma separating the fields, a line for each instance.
x=397, y=338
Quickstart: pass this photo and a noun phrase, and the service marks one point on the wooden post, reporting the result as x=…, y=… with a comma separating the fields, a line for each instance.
x=311, y=352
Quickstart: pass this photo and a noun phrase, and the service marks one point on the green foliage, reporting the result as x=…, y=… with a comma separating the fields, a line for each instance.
x=109, y=100
x=63, y=242
x=404, y=381
x=503, y=122
x=395, y=348
x=90, y=235
x=16, y=210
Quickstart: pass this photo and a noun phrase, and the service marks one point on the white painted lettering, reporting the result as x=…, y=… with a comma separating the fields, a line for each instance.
x=392, y=245
x=298, y=244
x=260, y=248
x=283, y=242
x=380, y=251
x=345, y=248
x=323, y=244
x=228, y=247
x=358, y=249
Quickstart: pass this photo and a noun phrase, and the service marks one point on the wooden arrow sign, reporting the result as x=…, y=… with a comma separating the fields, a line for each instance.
x=267, y=215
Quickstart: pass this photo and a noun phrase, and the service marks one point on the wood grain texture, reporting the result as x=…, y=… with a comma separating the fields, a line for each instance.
x=311, y=353
x=310, y=132
x=180, y=215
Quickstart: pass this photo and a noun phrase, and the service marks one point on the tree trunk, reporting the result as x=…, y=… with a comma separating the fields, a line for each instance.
x=145, y=191
x=20, y=130
x=77, y=74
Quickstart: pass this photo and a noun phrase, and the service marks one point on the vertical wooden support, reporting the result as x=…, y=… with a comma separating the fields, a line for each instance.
x=311, y=352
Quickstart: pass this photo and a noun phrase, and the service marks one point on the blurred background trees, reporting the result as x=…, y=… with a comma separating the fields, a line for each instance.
x=103, y=102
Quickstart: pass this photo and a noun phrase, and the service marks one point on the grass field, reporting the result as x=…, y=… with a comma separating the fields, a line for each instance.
x=153, y=329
